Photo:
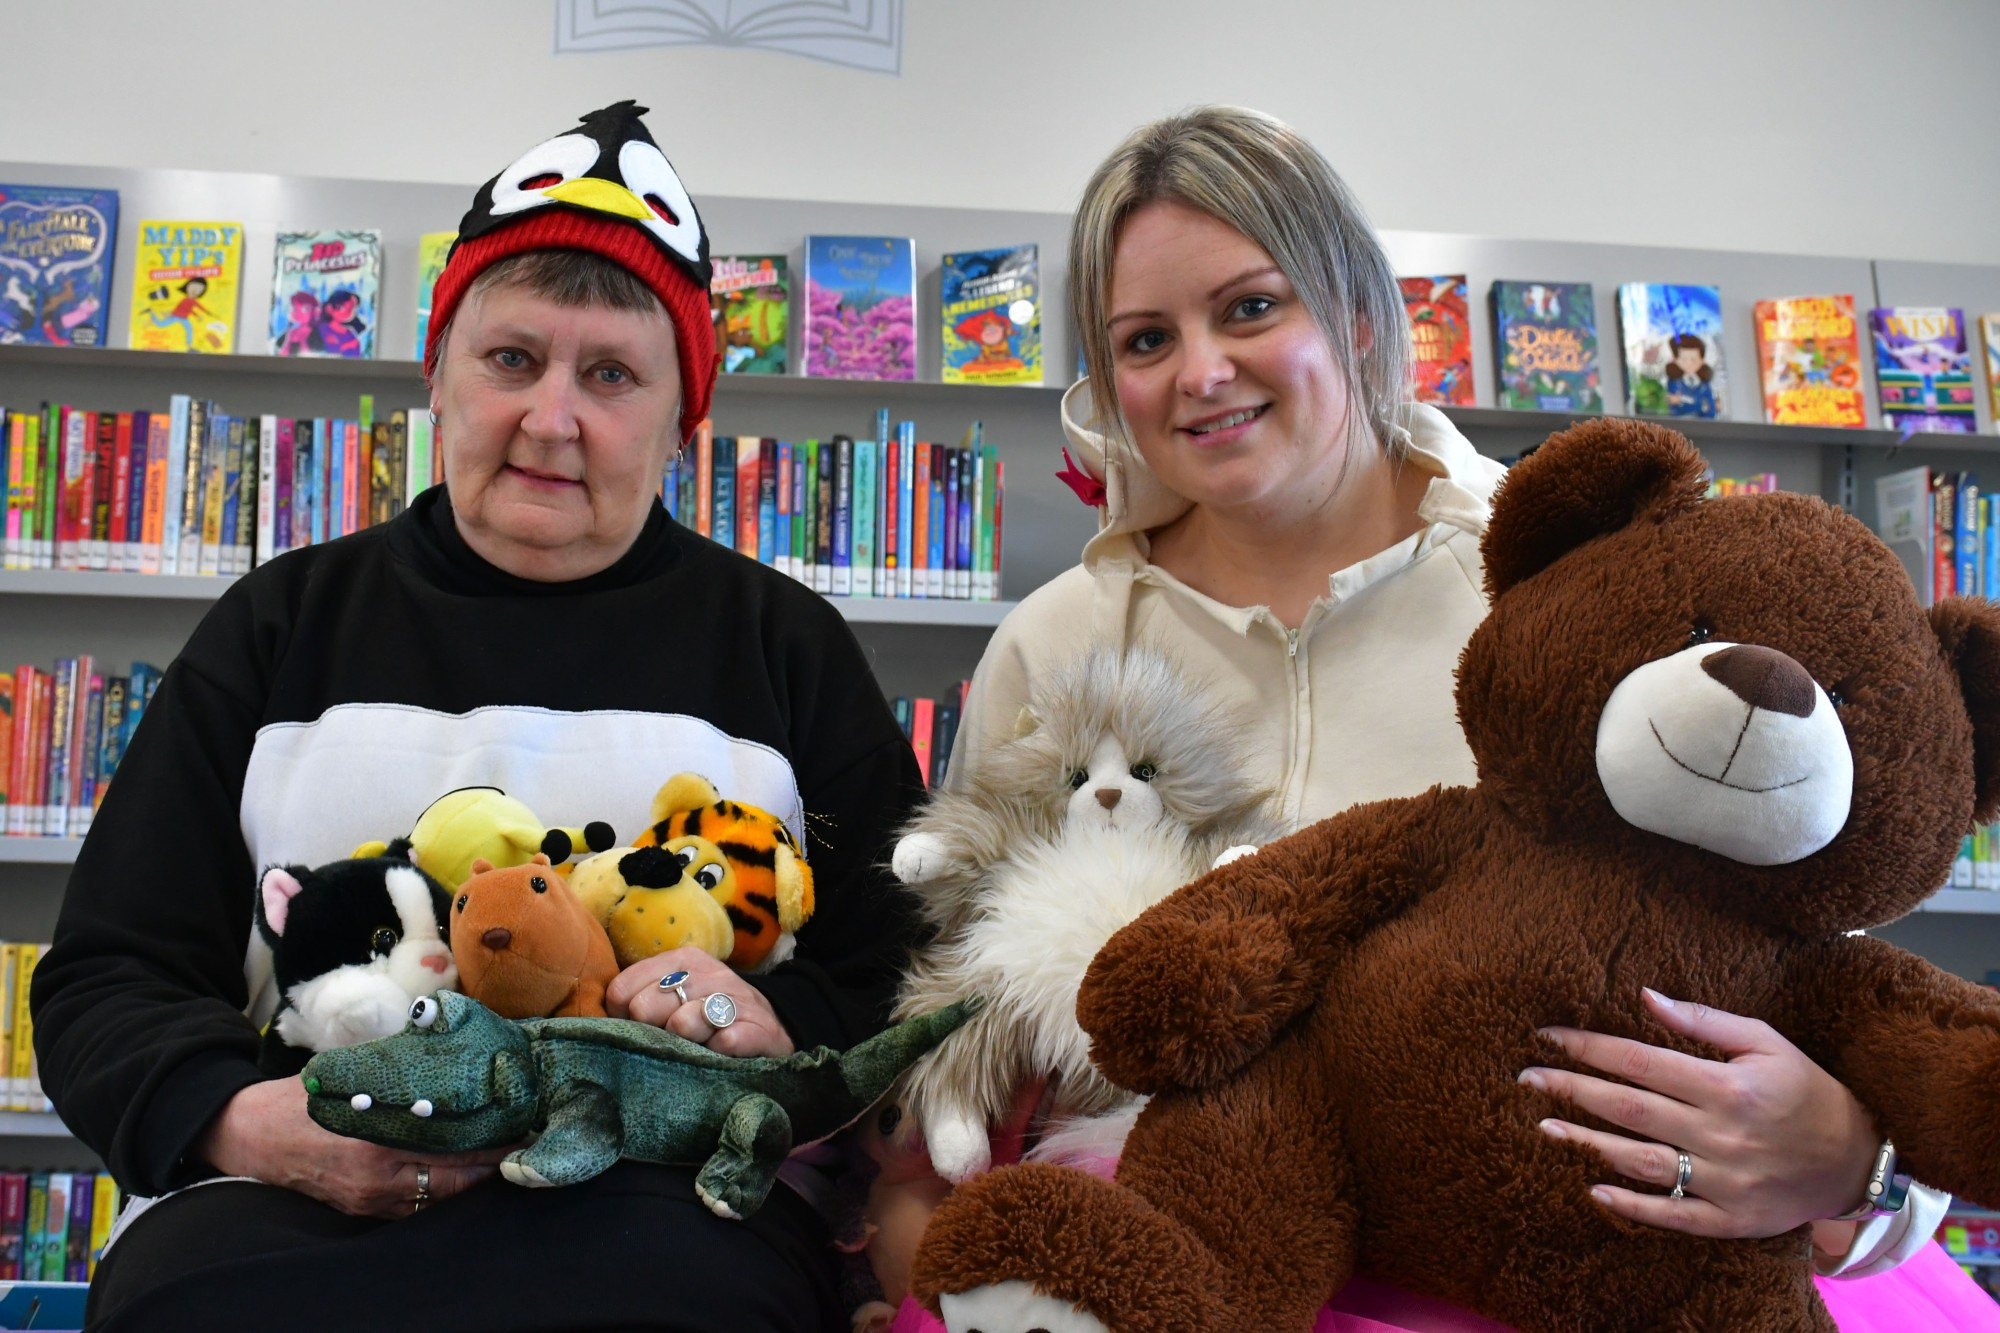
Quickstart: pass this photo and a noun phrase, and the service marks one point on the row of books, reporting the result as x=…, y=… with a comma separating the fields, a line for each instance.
x=58, y=246
x=1943, y=529
x=193, y=490
x=54, y=1225
x=888, y=517
x=62, y=733
x=931, y=727
x=20, y=1076
x=1808, y=353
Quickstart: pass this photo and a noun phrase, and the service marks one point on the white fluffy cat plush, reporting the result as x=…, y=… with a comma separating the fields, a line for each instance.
x=1120, y=785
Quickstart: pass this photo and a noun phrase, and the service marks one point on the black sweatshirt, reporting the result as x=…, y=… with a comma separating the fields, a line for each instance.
x=332, y=694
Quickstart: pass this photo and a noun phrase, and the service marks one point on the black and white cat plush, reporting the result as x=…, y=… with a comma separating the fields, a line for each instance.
x=353, y=944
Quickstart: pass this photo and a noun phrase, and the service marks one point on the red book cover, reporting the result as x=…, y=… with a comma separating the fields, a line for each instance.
x=19, y=746
x=352, y=484
x=281, y=516
x=1944, y=527
x=13, y=1223
x=79, y=479
x=121, y=488
x=38, y=762
x=892, y=481
x=1440, y=339
x=920, y=522
x=999, y=495
x=922, y=715
x=104, y=460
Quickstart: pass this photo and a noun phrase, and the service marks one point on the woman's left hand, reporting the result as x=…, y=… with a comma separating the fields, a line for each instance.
x=1775, y=1140
x=635, y=993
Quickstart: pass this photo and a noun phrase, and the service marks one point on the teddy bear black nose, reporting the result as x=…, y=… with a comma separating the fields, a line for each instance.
x=1108, y=797
x=1763, y=678
x=499, y=937
x=650, y=868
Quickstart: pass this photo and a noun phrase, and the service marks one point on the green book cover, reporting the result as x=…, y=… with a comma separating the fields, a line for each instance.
x=862, y=558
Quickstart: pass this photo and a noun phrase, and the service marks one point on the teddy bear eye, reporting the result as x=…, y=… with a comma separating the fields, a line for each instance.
x=1836, y=696
x=709, y=875
x=1144, y=772
x=385, y=940
x=1700, y=632
x=463, y=899
x=538, y=884
x=1077, y=779
x=424, y=1012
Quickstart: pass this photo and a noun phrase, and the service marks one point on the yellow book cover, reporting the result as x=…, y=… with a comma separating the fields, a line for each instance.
x=103, y=1212
x=184, y=284
x=10, y=964
x=21, y=1050
x=433, y=248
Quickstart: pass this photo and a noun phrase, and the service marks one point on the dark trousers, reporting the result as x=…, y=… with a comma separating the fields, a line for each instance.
x=632, y=1249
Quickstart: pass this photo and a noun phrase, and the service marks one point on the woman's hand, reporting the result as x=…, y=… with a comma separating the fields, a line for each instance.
x=1775, y=1140
x=264, y=1133
x=635, y=993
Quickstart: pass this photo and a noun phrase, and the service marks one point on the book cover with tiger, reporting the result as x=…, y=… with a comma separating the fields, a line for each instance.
x=185, y=280
x=1809, y=355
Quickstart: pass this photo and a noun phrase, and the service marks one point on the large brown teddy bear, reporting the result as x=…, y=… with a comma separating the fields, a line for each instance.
x=1712, y=736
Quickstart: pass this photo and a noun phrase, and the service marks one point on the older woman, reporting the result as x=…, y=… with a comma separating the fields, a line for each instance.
x=539, y=624
x=1281, y=520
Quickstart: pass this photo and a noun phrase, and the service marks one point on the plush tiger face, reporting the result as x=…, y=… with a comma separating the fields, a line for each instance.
x=761, y=879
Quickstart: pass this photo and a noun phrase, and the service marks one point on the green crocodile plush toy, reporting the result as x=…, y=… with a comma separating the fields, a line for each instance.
x=459, y=1077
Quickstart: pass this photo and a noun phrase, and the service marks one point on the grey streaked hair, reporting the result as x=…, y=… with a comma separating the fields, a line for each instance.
x=575, y=279
x=1261, y=177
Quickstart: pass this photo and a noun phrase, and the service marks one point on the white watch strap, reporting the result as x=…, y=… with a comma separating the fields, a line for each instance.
x=1883, y=1243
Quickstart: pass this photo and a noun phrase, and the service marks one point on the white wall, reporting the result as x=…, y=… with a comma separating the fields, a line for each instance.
x=1843, y=127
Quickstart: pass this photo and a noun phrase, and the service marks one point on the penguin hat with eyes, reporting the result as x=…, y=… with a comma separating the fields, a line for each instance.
x=604, y=187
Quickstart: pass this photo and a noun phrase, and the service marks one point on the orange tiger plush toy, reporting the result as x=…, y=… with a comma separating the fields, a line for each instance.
x=747, y=860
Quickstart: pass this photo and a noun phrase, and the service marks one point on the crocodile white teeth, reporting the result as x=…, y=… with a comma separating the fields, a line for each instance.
x=360, y=1101
x=422, y=1108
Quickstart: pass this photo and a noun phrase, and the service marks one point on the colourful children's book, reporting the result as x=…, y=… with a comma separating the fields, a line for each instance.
x=1809, y=356
x=1989, y=329
x=1545, y=344
x=750, y=298
x=433, y=248
x=185, y=277
x=1923, y=369
x=861, y=308
x=324, y=286
x=991, y=316
x=57, y=245
x=1673, y=349
x=1440, y=339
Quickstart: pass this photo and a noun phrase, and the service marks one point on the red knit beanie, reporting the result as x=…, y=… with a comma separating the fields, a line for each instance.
x=608, y=190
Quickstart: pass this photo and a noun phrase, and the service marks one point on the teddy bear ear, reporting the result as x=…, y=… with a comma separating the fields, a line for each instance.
x=683, y=791
x=480, y=865
x=1968, y=629
x=1590, y=480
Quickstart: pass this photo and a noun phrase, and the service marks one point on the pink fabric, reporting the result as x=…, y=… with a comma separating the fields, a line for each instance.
x=1928, y=1292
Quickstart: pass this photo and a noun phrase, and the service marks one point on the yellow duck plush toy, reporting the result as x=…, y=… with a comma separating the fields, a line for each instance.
x=484, y=824
x=741, y=859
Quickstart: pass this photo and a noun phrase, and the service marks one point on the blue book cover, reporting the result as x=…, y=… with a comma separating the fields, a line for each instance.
x=1673, y=349
x=1989, y=548
x=1545, y=336
x=336, y=475
x=968, y=470
x=722, y=494
x=232, y=491
x=311, y=468
x=1965, y=540
x=861, y=307
x=934, y=562
x=992, y=327
x=767, y=501
x=57, y=245
x=843, y=515
x=864, y=522
x=906, y=490
x=951, y=484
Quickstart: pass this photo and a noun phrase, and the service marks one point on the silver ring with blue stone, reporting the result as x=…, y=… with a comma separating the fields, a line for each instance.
x=677, y=983
x=719, y=1010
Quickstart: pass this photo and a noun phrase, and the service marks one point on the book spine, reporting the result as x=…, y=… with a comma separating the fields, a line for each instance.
x=88, y=740
x=152, y=526
x=393, y=480
x=18, y=748
x=950, y=552
x=45, y=739
x=103, y=464
x=318, y=450
x=767, y=502
x=215, y=473
x=922, y=715
x=906, y=513
x=1944, y=525
x=235, y=484
x=813, y=570
x=417, y=459
x=724, y=480
x=16, y=441
x=13, y=1223
x=180, y=412
x=248, y=457
x=799, y=560
x=843, y=516
x=135, y=509
x=48, y=486
x=111, y=735
x=781, y=537
x=920, y=533
x=264, y=520
x=6, y=746
x=34, y=1226
x=968, y=468
x=1965, y=540
x=55, y=1236
x=1989, y=548
x=934, y=559
x=62, y=720
x=353, y=476
x=748, y=464
x=103, y=1212
x=823, y=456
x=283, y=529
x=999, y=520
x=21, y=1068
x=861, y=522
x=892, y=481
x=10, y=963
x=72, y=552
x=82, y=1192
x=704, y=486
x=117, y=549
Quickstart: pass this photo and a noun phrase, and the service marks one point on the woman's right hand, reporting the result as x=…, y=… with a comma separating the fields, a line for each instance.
x=264, y=1133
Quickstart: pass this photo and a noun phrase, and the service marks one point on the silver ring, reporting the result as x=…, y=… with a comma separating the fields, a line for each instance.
x=423, y=1187
x=677, y=983
x=1683, y=1175
x=719, y=1010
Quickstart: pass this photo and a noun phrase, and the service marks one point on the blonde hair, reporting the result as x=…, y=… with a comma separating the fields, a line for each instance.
x=1258, y=175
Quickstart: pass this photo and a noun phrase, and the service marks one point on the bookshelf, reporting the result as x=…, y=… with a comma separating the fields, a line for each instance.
x=916, y=647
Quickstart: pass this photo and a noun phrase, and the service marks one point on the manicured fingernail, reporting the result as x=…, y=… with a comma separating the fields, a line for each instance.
x=1533, y=1078
x=1554, y=1129
x=1601, y=1194
x=1659, y=999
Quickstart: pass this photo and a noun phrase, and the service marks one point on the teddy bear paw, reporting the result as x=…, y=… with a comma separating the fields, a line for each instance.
x=958, y=1146
x=918, y=858
x=1014, y=1307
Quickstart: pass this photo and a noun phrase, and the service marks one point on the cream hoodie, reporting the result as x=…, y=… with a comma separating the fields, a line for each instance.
x=1355, y=705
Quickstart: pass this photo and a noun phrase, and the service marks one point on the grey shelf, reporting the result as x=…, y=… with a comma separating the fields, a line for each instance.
x=1964, y=902
x=38, y=851
x=33, y=1125
x=1737, y=432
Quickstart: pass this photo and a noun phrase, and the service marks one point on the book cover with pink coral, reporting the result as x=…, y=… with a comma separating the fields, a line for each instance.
x=861, y=308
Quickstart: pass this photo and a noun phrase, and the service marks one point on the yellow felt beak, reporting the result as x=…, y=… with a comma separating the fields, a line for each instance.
x=600, y=196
